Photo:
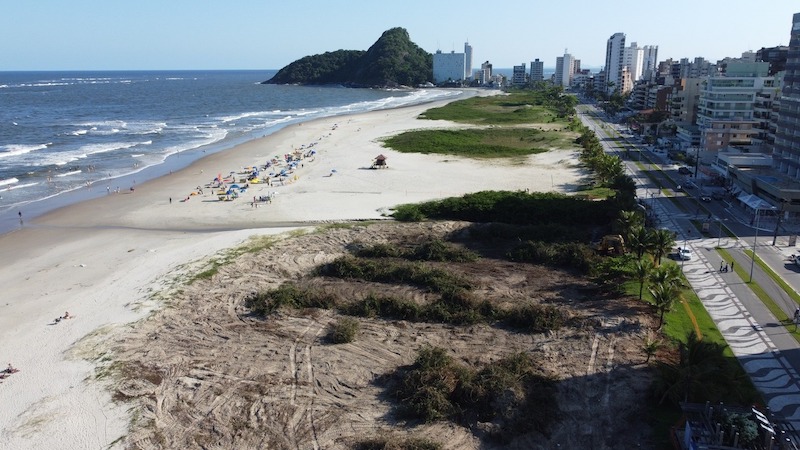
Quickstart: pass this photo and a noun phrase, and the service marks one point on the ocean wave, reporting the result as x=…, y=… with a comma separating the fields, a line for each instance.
x=66, y=174
x=93, y=149
x=19, y=186
x=8, y=181
x=16, y=150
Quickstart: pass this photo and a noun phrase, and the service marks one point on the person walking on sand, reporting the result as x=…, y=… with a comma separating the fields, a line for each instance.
x=720, y=265
x=732, y=264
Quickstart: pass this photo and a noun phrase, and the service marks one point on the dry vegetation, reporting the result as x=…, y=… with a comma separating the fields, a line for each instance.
x=207, y=372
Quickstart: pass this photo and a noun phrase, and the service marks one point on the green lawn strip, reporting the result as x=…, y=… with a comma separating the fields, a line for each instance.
x=678, y=321
x=677, y=324
x=777, y=278
x=762, y=295
x=776, y=310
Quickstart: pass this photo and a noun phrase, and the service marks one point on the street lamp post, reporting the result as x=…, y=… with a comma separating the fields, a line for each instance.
x=778, y=223
x=753, y=259
x=685, y=242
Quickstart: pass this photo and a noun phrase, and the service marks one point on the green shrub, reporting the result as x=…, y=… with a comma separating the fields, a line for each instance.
x=425, y=276
x=397, y=443
x=288, y=295
x=508, y=392
x=379, y=251
x=384, y=307
x=344, y=330
x=438, y=250
x=572, y=255
x=535, y=318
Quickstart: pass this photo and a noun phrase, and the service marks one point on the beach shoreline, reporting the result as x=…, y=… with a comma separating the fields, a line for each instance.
x=103, y=260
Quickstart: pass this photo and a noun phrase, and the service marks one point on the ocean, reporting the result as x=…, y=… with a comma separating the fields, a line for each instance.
x=68, y=136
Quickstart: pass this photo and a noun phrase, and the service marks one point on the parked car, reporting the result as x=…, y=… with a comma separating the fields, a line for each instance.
x=705, y=198
x=684, y=171
x=684, y=254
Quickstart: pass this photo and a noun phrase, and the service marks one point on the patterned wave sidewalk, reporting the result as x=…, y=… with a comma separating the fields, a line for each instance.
x=772, y=373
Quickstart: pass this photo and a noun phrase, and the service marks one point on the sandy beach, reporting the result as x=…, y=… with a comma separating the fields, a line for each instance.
x=104, y=261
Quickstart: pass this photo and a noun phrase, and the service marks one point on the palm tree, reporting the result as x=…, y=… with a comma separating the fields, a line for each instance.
x=669, y=275
x=664, y=297
x=697, y=375
x=640, y=241
x=642, y=269
x=663, y=241
x=627, y=222
x=650, y=347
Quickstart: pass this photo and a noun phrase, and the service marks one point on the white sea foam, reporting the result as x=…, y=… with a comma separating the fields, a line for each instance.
x=8, y=181
x=66, y=174
x=20, y=186
x=10, y=150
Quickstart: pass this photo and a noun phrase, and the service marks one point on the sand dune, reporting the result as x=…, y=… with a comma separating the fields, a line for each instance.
x=104, y=260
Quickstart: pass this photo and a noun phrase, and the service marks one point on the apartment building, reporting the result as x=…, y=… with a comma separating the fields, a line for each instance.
x=726, y=107
x=448, y=67
x=786, y=152
x=537, y=70
x=565, y=67
x=518, y=76
x=467, y=61
x=615, y=61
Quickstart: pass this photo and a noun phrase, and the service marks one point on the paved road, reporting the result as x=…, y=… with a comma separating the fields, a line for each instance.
x=766, y=351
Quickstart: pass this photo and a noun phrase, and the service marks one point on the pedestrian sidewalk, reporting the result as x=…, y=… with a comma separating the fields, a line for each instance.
x=766, y=351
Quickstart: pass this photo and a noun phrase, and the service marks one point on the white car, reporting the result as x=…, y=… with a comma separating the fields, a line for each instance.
x=684, y=254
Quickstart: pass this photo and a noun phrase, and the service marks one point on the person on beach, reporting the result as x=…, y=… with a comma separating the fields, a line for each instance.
x=732, y=263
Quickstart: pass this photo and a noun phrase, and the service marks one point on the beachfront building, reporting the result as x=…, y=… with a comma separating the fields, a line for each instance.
x=726, y=107
x=537, y=71
x=518, y=76
x=649, y=61
x=775, y=56
x=634, y=59
x=786, y=150
x=615, y=61
x=484, y=75
x=565, y=68
x=448, y=67
x=467, y=61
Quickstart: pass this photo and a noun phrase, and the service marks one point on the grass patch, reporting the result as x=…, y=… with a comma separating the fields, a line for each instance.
x=481, y=143
x=780, y=314
x=518, y=108
x=344, y=330
x=433, y=250
x=509, y=393
x=397, y=443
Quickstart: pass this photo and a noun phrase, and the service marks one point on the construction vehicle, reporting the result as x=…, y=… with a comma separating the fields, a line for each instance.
x=611, y=244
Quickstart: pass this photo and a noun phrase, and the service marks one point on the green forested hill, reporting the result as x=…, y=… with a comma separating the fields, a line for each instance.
x=393, y=60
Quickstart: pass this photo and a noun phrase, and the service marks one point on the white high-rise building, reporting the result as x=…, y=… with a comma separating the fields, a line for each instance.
x=468, y=61
x=565, y=68
x=634, y=60
x=448, y=66
x=615, y=61
x=649, y=61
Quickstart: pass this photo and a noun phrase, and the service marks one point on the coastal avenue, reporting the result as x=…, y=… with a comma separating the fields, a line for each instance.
x=769, y=354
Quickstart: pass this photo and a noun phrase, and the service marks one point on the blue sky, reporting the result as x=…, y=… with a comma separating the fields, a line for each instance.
x=264, y=34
